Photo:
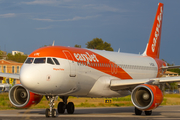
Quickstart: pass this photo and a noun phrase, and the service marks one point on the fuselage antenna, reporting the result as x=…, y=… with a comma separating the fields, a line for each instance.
x=119, y=50
x=53, y=43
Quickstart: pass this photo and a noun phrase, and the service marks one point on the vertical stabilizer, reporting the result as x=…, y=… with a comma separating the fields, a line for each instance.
x=153, y=46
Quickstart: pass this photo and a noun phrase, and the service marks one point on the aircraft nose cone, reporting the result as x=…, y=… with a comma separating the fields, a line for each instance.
x=29, y=77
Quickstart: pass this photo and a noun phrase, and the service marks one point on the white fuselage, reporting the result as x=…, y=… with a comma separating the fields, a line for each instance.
x=83, y=78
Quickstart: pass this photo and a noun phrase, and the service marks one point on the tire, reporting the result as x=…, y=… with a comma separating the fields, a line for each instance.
x=70, y=108
x=137, y=111
x=61, y=108
x=47, y=112
x=53, y=112
x=148, y=112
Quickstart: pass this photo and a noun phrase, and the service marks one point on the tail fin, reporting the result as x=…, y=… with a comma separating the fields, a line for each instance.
x=153, y=46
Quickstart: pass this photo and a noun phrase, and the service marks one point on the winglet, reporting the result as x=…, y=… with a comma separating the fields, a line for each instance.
x=153, y=46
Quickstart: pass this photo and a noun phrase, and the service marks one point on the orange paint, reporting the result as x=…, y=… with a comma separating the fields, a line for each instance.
x=160, y=64
x=158, y=96
x=153, y=47
x=33, y=100
x=83, y=56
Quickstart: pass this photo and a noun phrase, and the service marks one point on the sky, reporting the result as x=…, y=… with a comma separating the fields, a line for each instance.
x=26, y=25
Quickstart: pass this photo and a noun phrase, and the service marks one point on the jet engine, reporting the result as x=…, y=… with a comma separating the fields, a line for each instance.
x=20, y=97
x=146, y=97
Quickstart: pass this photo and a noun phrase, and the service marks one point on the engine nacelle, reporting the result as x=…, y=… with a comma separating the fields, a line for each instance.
x=20, y=97
x=146, y=97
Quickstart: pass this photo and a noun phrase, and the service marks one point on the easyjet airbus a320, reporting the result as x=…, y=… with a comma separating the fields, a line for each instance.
x=67, y=71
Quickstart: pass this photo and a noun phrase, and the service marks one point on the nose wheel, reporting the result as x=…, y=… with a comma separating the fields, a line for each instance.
x=50, y=111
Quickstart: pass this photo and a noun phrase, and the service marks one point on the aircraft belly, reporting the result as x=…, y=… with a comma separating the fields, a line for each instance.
x=101, y=88
x=85, y=79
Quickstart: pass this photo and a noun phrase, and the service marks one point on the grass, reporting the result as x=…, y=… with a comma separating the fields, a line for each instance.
x=4, y=102
x=169, y=99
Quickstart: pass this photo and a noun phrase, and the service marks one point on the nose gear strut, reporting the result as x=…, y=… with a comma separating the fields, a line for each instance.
x=51, y=111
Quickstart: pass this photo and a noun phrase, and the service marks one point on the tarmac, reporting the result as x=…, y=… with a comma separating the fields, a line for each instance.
x=106, y=113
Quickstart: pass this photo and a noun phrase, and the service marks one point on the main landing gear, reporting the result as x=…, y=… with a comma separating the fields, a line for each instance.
x=51, y=111
x=139, y=112
x=63, y=105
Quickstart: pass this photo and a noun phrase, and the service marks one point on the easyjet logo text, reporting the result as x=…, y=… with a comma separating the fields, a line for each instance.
x=86, y=57
x=156, y=34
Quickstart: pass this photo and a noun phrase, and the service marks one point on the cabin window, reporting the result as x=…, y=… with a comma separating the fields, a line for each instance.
x=29, y=60
x=40, y=60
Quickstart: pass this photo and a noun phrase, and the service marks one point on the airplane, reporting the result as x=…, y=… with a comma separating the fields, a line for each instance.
x=58, y=71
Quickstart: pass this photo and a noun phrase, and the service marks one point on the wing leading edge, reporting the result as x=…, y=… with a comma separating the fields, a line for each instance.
x=9, y=75
x=118, y=84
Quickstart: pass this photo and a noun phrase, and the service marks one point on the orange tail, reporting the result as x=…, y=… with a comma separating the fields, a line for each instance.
x=153, y=47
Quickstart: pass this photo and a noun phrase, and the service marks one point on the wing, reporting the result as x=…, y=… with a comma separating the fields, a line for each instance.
x=10, y=75
x=118, y=84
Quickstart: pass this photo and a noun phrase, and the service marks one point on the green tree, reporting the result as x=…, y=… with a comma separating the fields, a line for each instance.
x=174, y=86
x=98, y=43
x=1, y=54
x=177, y=70
x=78, y=46
x=17, y=57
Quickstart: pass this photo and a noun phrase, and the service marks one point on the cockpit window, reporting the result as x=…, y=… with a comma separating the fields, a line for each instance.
x=56, y=61
x=49, y=60
x=52, y=61
x=29, y=60
x=39, y=60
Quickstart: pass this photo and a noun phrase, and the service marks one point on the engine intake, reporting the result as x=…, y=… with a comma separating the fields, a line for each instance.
x=20, y=97
x=146, y=97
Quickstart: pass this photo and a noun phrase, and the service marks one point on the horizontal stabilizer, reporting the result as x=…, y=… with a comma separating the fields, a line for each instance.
x=170, y=67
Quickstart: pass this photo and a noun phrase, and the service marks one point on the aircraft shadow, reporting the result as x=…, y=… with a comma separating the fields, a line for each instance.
x=115, y=110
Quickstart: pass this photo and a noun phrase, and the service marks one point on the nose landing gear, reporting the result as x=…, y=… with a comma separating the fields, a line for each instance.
x=61, y=106
x=51, y=111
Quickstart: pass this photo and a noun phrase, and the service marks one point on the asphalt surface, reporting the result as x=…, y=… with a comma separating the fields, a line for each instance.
x=120, y=113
